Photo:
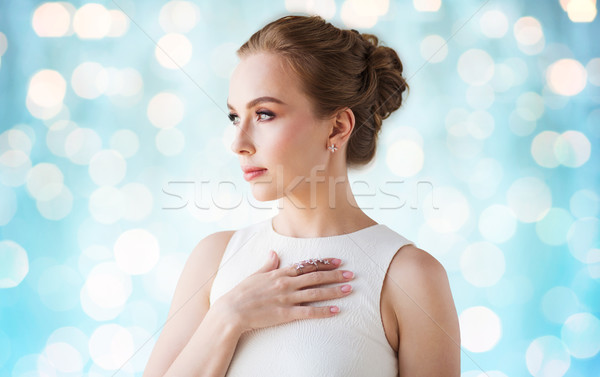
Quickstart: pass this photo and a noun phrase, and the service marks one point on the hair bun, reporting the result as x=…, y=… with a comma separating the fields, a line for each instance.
x=388, y=70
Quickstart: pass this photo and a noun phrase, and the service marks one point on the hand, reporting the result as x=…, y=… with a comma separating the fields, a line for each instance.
x=272, y=295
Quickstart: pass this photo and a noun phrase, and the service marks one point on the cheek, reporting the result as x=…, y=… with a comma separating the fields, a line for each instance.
x=295, y=145
x=290, y=138
x=305, y=158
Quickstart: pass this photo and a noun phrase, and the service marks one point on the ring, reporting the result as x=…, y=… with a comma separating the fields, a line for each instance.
x=313, y=261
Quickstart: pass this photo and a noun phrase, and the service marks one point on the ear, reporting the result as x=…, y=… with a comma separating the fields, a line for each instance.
x=342, y=125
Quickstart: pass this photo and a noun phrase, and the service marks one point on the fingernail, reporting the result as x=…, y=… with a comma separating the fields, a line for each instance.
x=348, y=274
x=272, y=254
x=336, y=261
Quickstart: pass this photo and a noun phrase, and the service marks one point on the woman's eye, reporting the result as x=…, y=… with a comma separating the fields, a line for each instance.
x=266, y=113
x=232, y=118
x=262, y=115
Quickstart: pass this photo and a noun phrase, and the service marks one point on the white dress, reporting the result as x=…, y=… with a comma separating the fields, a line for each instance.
x=352, y=342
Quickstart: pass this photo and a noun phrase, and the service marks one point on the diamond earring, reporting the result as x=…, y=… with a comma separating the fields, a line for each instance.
x=332, y=148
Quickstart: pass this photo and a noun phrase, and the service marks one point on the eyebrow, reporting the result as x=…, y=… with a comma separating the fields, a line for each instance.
x=258, y=100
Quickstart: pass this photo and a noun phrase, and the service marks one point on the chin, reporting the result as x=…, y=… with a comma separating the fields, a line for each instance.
x=263, y=192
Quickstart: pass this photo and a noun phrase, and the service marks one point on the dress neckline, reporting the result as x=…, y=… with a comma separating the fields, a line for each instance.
x=271, y=230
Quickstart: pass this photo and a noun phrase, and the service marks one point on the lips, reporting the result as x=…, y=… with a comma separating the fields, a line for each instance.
x=251, y=172
x=249, y=169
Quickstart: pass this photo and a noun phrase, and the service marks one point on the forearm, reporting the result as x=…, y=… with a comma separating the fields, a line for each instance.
x=209, y=351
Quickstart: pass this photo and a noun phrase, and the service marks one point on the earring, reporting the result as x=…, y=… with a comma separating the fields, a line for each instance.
x=332, y=148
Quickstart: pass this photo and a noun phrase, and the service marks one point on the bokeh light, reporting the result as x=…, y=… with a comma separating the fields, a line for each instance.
x=3, y=44
x=434, y=48
x=173, y=51
x=9, y=204
x=170, y=141
x=64, y=357
x=497, y=223
x=494, y=24
x=453, y=213
x=89, y=80
x=126, y=142
x=482, y=264
x=581, y=334
x=405, y=158
x=15, y=264
x=362, y=13
x=136, y=251
x=427, y=5
x=480, y=329
x=52, y=19
x=567, y=77
x=559, y=303
x=165, y=110
x=547, y=356
x=111, y=346
x=106, y=204
x=581, y=10
x=582, y=236
x=82, y=144
x=46, y=92
x=107, y=286
x=107, y=168
x=92, y=21
x=137, y=200
x=476, y=67
x=14, y=166
x=179, y=16
x=584, y=203
x=593, y=71
x=44, y=181
x=572, y=149
x=529, y=198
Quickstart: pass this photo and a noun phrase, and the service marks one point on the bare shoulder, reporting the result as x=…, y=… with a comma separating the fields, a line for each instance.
x=199, y=272
x=210, y=249
x=415, y=265
x=426, y=314
x=190, y=301
x=206, y=257
x=417, y=279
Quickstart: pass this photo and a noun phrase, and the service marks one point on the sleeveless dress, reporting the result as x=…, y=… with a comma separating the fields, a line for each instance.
x=351, y=342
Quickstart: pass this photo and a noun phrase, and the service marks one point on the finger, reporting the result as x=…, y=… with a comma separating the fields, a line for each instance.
x=318, y=278
x=307, y=312
x=271, y=263
x=311, y=265
x=321, y=294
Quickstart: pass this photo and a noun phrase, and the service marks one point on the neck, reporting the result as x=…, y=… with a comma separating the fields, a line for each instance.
x=322, y=206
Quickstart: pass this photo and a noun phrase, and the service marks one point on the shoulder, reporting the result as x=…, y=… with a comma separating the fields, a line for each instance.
x=214, y=243
x=416, y=265
x=190, y=301
x=427, y=321
x=206, y=256
x=419, y=284
x=210, y=249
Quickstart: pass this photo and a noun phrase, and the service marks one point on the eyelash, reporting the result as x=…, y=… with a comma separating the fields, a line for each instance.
x=232, y=116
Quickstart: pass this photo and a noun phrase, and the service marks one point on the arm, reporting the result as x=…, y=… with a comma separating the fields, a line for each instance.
x=195, y=338
x=429, y=335
x=209, y=351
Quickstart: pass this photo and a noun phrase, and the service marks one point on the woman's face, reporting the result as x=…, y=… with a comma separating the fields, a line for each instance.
x=275, y=128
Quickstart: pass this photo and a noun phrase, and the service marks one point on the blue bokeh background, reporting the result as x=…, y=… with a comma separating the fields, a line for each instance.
x=115, y=162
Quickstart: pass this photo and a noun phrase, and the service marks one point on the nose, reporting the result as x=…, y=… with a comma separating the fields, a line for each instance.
x=242, y=142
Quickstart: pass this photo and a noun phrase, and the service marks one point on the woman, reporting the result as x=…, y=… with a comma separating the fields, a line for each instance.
x=308, y=100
